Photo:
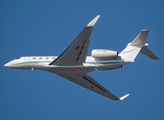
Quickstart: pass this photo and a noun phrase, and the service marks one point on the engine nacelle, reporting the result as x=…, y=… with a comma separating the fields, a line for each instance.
x=104, y=54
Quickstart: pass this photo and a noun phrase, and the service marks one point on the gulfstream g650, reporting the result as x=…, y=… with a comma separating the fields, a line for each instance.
x=74, y=64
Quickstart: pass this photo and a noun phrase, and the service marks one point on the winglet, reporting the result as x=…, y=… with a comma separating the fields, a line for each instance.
x=92, y=23
x=123, y=97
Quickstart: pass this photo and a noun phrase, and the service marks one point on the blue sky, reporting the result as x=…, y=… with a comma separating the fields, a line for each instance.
x=35, y=27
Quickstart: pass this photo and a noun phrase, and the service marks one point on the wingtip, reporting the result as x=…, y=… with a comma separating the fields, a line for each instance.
x=123, y=97
x=145, y=30
x=92, y=23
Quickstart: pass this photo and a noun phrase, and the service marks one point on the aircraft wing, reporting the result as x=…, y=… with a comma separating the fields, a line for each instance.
x=91, y=84
x=76, y=53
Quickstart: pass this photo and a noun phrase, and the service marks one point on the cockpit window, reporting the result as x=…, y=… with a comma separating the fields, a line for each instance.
x=18, y=58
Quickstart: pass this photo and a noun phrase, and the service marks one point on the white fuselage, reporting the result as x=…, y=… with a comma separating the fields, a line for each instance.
x=74, y=64
x=42, y=63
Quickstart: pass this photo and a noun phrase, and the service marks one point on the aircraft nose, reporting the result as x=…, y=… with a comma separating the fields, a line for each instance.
x=7, y=65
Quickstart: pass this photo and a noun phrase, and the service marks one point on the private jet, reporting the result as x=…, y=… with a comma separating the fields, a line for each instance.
x=74, y=64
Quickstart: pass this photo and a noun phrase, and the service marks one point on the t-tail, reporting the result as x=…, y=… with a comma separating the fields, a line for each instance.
x=137, y=45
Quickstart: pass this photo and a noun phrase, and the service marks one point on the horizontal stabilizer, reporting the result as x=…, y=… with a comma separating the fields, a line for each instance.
x=137, y=45
x=123, y=97
x=146, y=51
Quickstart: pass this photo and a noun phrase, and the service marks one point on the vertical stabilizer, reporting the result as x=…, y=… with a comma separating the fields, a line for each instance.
x=140, y=39
x=136, y=46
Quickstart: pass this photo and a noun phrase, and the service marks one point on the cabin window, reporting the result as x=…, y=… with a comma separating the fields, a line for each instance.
x=34, y=57
x=47, y=57
x=40, y=58
x=53, y=58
